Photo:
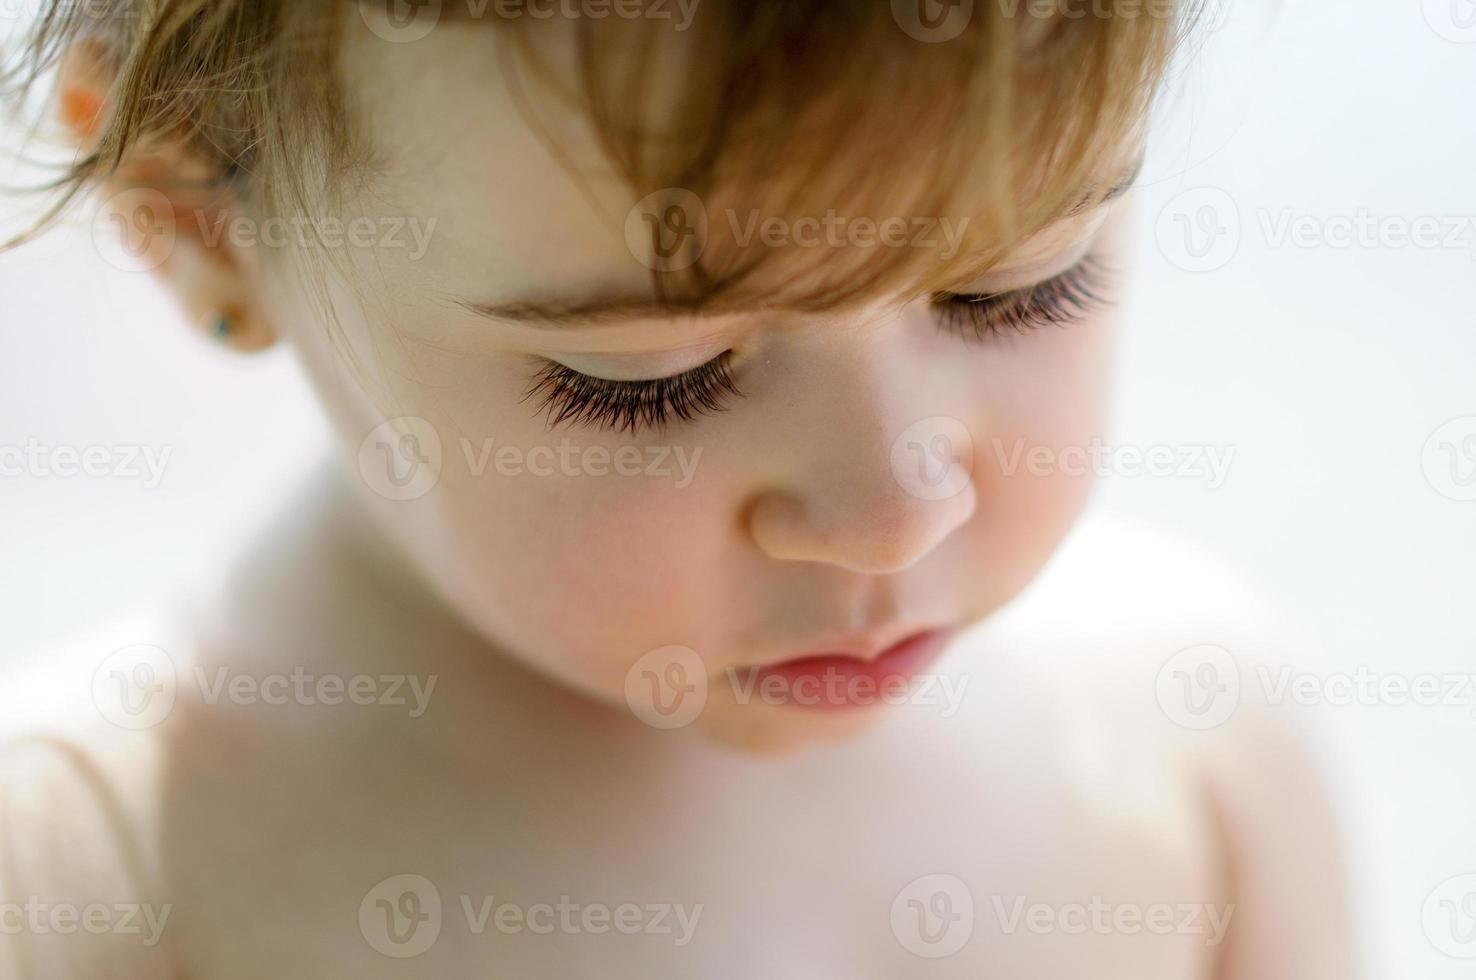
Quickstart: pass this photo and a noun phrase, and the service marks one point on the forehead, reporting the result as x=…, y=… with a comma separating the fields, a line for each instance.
x=523, y=190
x=449, y=136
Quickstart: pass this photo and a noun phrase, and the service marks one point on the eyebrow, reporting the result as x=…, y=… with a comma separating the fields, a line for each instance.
x=602, y=310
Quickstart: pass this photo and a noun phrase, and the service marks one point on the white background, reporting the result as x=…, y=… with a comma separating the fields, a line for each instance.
x=1325, y=368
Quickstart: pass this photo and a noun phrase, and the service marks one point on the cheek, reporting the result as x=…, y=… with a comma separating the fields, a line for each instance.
x=581, y=572
x=1047, y=405
x=1034, y=469
x=575, y=548
x=1052, y=383
x=557, y=555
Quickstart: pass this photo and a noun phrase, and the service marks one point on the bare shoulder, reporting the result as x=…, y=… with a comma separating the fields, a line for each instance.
x=1157, y=641
x=1119, y=596
x=80, y=797
x=1140, y=628
x=1160, y=657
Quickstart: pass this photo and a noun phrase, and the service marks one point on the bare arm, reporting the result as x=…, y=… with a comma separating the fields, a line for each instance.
x=1286, y=868
x=79, y=885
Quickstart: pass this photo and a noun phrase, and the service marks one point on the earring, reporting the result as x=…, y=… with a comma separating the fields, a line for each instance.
x=220, y=327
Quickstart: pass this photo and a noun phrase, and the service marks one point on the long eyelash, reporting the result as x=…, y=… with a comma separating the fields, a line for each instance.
x=627, y=406
x=1062, y=300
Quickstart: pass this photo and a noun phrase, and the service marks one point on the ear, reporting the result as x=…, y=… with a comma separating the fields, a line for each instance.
x=171, y=207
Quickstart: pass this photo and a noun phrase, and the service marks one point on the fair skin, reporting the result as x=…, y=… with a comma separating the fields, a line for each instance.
x=529, y=776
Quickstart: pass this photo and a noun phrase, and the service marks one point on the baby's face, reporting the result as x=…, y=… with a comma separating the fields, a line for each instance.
x=798, y=483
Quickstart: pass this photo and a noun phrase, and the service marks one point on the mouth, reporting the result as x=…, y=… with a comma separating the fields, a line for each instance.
x=853, y=677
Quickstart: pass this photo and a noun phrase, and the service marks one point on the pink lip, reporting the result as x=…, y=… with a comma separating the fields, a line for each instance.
x=829, y=681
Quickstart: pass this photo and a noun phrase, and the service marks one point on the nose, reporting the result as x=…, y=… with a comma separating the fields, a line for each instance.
x=875, y=505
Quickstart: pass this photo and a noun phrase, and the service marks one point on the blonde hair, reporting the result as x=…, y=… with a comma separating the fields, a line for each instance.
x=1025, y=111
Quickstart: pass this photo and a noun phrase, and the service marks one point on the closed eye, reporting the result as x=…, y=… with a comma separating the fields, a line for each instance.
x=568, y=396
x=1059, y=301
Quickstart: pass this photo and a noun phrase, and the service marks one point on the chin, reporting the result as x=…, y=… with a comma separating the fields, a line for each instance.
x=773, y=730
